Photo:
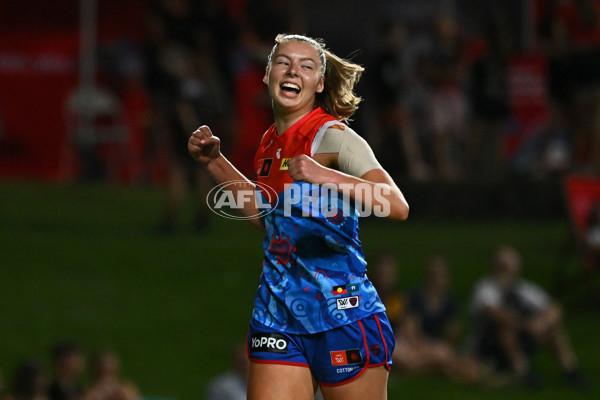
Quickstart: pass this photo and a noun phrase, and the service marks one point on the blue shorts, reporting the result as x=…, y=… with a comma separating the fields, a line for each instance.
x=334, y=357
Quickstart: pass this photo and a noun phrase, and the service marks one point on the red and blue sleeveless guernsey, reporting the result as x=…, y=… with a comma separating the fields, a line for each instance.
x=314, y=270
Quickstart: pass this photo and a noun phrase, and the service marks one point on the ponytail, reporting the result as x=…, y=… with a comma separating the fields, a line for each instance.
x=338, y=97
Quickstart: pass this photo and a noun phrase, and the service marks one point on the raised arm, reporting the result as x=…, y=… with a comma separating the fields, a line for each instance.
x=345, y=160
x=378, y=192
x=205, y=148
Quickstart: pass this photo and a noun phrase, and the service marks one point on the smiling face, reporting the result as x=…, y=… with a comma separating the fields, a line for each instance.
x=294, y=78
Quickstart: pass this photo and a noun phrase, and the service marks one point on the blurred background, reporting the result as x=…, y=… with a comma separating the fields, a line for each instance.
x=487, y=114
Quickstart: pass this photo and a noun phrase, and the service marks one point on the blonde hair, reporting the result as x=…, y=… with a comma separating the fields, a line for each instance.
x=338, y=97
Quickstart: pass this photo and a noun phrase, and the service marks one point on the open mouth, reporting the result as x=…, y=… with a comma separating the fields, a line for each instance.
x=290, y=88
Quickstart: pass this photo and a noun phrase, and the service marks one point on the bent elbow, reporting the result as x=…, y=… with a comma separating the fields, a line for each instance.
x=401, y=212
x=404, y=212
x=402, y=207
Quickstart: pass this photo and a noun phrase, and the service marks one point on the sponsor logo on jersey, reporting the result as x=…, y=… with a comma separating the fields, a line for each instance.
x=345, y=357
x=269, y=342
x=353, y=287
x=264, y=166
x=346, y=303
x=284, y=163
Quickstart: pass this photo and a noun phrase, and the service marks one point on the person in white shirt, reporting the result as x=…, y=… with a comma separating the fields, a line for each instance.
x=513, y=317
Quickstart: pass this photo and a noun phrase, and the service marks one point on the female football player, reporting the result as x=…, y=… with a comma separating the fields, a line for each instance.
x=317, y=319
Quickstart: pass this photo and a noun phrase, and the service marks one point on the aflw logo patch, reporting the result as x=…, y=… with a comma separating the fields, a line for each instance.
x=347, y=302
x=284, y=163
x=345, y=357
x=269, y=342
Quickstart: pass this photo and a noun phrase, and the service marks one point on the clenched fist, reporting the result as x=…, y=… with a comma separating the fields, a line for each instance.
x=304, y=168
x=203, y=146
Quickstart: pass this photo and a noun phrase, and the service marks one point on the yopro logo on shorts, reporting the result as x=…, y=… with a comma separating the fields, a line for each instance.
x=269, y=342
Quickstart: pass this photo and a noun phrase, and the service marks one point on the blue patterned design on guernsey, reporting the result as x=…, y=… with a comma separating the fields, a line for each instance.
x=305, y=257
x=308, y=250
x=300, y=308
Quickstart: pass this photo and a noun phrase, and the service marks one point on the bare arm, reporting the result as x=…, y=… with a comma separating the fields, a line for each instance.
x=205, y=148
x=549, y=318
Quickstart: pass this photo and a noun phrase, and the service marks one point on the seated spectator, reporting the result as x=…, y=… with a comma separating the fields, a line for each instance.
x=107, y=383
x=385, y=278
x=512, y=317
x=30, y=382
x=428, y=334
x=230, y=385
x=592, y=240
x=432, y=306
x=69, y=364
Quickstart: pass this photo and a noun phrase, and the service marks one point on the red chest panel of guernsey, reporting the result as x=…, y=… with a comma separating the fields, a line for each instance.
x=275, y=151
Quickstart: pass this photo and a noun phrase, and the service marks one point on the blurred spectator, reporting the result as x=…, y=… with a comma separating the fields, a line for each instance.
x=230, y=385
x=558, y=147
x=219, y=26
x=107, y=383
x=592, y=240
x=272, y=17
x=396, y=90
x=101, y=111
x=432, y=306
x=121, y=70
x=512, y=318
x=385, y=273
x=252, y=104
x=427, y=337
x=187, y=90
x=569, y=32
x=1, y=126
x=490, y=104
x=447, y=106
x=69, y=363
x=262, y=21
x=30, y=382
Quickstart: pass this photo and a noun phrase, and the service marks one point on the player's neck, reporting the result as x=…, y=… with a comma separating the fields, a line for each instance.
x=285, y=120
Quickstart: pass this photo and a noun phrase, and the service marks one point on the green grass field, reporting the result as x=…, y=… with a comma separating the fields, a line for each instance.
x=85, y=262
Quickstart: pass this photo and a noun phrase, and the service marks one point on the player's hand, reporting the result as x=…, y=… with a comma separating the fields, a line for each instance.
x=203, y=146
x=304, y=168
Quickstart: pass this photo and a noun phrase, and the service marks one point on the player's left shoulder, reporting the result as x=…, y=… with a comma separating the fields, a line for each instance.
x=337, y=127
